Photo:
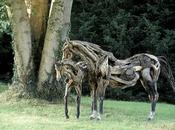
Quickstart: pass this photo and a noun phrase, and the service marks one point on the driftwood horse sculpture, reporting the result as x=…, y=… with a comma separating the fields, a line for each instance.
x=74, y=73
x=104, y=69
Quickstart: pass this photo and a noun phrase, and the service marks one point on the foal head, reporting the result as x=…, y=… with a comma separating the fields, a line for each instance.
x=59, y=70
x=71, y=70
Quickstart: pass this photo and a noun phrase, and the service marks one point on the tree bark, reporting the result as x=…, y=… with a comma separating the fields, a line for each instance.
x=38, y=14
x=52, y=41
x=67, y=17
x=36, y=29
x=38, y=19
x=60, y=12
x=22, y=45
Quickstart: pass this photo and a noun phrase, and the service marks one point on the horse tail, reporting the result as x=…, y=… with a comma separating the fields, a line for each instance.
x=166, y=70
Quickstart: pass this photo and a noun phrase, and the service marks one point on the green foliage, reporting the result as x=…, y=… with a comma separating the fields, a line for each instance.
x=4, y=21
x=128, y=27
x=36, y=114
x=6, y=56
x=125, y=27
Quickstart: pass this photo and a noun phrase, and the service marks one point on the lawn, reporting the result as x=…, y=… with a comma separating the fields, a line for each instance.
x=3, y=87
x=36, y=114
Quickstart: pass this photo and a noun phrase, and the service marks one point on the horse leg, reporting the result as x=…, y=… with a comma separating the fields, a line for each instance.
x=151, y=87
x=153, y=97
x=92, y=104
x=65, y=100
x=102, y=84
x=101, y=98
x=78, y=90
x=100, y=93
x=94, y=114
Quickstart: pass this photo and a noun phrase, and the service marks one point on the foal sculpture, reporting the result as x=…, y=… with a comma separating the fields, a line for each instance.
x=74, y=73
x=104, y=69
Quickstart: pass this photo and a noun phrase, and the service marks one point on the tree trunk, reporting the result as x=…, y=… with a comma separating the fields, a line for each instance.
x=52, y=41
x=29, y=22
x=67, y=22
x=23, y=77
x=38, y=21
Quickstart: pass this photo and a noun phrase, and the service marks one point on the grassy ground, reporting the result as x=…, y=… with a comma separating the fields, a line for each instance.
x=118, y=115
x=3, y=87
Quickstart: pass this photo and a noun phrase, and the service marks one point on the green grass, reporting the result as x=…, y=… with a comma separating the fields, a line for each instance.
x=36, y=114
x=40, y=115
x=3, y=87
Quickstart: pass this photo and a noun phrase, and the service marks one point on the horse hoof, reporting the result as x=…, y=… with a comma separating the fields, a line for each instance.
x=67, y=117
x=149, y=118
x=98, y=118
x=92, y=117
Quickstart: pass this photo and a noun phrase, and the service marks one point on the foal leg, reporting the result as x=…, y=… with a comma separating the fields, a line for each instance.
x=78, y=90
x=67, y=90
x=92, y=104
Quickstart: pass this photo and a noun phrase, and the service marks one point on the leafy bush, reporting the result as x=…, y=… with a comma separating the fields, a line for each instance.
x=4, y=21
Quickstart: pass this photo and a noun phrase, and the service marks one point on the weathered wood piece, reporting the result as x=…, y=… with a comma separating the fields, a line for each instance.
x=104, y=69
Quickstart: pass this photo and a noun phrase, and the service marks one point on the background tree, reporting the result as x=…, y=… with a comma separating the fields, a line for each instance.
x=37, y=28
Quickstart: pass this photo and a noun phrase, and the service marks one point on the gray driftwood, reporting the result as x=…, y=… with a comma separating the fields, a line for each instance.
x=104, y=69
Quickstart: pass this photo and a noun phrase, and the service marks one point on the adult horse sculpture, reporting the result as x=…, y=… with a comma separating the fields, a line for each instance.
x=104, y=69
